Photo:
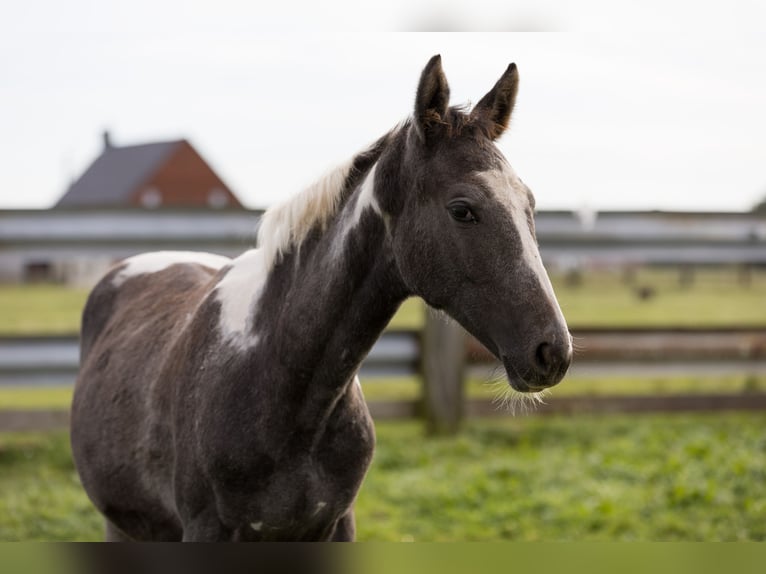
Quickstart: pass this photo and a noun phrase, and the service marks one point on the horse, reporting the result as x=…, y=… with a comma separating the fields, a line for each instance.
x=218, y=399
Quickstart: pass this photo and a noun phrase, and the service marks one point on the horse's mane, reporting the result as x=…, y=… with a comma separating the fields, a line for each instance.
x=287, y=224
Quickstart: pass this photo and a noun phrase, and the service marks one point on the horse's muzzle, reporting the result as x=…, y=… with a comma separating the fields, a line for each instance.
x=546, y=367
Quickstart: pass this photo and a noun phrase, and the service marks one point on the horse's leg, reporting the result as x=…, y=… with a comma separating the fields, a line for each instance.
x=345, y=531
x=206, y=532
x=206, y=527
x=114, y=534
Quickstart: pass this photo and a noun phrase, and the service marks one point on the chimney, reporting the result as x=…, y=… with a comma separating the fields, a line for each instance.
x=107, y=140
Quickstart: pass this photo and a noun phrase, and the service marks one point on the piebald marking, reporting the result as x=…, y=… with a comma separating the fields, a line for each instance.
x=238, y=293
x=366, y=198
x=282, y=227
x=159, y=260
x=363, y=200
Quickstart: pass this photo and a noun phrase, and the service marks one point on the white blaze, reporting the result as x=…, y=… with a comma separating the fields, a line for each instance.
x=513, y=194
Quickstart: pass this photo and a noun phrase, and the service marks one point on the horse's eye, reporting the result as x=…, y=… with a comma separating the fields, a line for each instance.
x=461, y=212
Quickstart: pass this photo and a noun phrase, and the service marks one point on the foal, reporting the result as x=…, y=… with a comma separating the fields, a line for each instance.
x=217, y=399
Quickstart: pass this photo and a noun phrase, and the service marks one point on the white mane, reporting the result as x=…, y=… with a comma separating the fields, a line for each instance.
x=289, y=222
x=282, y=226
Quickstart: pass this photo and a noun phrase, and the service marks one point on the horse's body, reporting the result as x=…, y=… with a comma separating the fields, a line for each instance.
x=217, y=399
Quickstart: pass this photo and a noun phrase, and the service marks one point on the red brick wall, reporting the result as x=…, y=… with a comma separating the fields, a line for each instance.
x=184, y=179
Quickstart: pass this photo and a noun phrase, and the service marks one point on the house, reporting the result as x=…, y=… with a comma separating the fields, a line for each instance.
x=152, y=196
x=152, y=175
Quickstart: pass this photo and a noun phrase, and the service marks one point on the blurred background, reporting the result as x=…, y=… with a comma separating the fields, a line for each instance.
x=140, y=127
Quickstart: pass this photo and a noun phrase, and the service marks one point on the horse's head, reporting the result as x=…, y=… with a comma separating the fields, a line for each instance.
x=461, y=223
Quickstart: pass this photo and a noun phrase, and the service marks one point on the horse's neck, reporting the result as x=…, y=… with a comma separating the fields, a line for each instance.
x=326, y=302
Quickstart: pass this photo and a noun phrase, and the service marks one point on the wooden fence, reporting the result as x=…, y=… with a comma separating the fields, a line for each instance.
x=442, y=356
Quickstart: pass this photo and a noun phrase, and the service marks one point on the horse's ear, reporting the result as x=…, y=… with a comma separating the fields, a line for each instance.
x=432, y=99
x=495, y=108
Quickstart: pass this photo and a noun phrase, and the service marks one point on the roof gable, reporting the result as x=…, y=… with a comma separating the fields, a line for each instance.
x=116, y=174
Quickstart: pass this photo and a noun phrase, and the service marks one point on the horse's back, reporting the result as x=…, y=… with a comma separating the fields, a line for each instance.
x=119, y=426
x=140, y=284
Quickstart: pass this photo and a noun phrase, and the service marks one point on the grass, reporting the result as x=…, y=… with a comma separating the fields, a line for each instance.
x=603, y=298
x=409, y=388
x=411, y=315
x=40, y=309
x=616, y=477
x=685, y=477
x=715, y=298
x=34, y=398
x=40, y=493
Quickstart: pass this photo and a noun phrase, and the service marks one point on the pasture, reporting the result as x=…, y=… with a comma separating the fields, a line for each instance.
x=715, y=297
x=680, y=477
x=585, y=477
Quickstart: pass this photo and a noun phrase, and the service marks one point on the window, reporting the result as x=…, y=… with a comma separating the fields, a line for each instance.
x=217, y=198
x=151, y=198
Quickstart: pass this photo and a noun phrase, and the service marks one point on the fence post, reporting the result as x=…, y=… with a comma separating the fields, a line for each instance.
x=442, y=369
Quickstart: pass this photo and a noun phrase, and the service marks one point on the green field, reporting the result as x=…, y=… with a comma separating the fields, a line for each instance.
x=715, y=297
x=681, y=477
x=586, y=477
x=605, y=298
x=40, y=309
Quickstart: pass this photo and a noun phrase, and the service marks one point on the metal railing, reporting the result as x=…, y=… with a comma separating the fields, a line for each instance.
x=53, y=360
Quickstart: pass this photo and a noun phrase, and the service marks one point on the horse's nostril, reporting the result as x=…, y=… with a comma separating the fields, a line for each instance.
x=544, y=358
x=552, y=360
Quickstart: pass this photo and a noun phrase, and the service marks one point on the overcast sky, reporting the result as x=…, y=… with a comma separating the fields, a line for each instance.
x=645, y=116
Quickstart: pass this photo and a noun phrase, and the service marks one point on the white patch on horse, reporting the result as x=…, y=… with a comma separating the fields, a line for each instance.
x=363, y=200
x=287, y=224
x=366, y=198
x=256, y=526
x=238, y=293
x=511, y=192
x=159, y=260
x=282, y=227
x=320, y=505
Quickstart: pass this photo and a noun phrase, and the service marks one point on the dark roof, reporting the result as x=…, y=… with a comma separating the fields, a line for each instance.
x=116, y=174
